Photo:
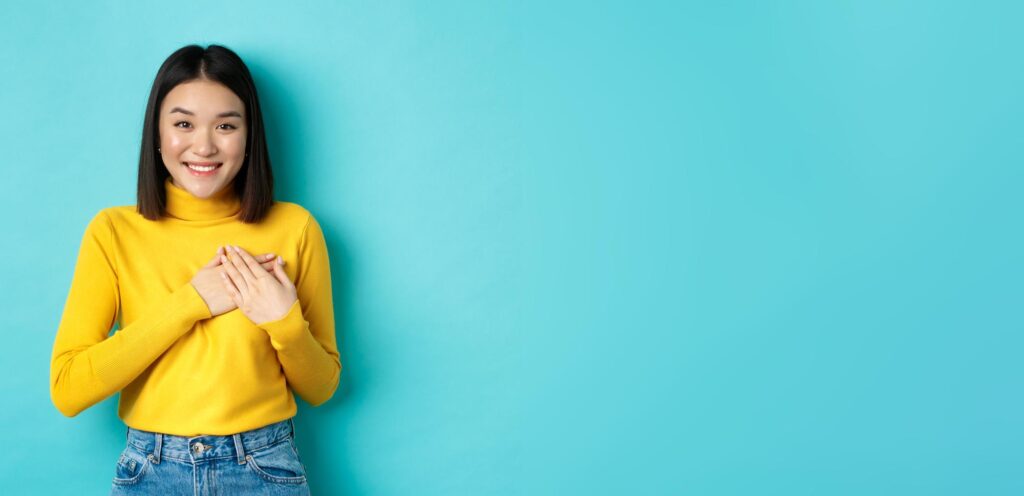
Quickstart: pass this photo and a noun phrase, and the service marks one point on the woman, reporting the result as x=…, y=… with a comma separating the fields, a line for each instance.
x=212, y=340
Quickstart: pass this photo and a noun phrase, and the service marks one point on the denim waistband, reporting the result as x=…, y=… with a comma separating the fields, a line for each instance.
x=208, y=447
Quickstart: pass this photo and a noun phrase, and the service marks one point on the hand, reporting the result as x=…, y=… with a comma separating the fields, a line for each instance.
x=261, y=295
x=207, y=282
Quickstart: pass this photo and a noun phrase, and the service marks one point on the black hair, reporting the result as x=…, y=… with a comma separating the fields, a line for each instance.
x=254, y=183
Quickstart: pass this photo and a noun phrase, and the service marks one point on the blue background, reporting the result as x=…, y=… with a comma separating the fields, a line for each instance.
x=584, y=248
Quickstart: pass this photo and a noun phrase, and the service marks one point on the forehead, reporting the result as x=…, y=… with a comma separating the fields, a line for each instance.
x=203, y=98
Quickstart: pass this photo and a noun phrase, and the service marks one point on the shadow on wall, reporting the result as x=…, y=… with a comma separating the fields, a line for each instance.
x=321, y=431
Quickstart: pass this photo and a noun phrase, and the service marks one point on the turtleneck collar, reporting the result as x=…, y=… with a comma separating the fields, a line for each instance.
x=182, y=205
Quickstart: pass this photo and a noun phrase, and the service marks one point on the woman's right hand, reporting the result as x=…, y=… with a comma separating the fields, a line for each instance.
x=210, y=287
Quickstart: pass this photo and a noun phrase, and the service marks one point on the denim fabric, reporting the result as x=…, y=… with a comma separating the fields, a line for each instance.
x=260, y=461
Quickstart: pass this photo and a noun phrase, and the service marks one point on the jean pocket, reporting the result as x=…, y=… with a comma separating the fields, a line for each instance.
x=131, y=466
x=278, y=464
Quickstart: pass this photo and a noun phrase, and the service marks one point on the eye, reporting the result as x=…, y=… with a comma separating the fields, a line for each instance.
x=181, y=122
x=230, y=126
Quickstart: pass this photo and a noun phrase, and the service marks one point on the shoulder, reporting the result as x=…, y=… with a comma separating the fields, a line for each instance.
x=293, y=217
x=120, y=214
x=282, y=214
x=299, y=221
x=289, y=209
x=102, y=219
x=289, y=214
x=99, y=228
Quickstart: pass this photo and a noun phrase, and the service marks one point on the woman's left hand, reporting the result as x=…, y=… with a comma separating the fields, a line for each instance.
x=262, y=296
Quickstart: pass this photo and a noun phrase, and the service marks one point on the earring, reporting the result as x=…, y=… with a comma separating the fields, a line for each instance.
x=158, y=148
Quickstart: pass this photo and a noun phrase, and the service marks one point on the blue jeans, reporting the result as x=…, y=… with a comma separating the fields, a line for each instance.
x=260, y=461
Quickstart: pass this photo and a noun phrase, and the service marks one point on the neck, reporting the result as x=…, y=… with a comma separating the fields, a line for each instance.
x=183, y=205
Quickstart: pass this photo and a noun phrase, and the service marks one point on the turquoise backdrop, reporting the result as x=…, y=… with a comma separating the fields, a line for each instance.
x=701, y=248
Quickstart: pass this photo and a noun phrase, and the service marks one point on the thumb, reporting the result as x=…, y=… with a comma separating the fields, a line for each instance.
x=279, y=273
x=216, y=259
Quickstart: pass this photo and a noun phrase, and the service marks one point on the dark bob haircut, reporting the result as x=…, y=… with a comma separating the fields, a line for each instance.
x=254, y=183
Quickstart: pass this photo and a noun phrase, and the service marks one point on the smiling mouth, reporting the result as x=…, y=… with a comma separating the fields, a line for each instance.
x=202, y=167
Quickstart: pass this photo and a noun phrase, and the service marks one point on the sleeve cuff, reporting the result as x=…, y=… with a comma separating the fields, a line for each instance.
x=287, y=329
x=194, y=305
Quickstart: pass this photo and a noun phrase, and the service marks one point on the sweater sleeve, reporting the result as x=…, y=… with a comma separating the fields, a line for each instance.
x=87, y=366
x=304, y=338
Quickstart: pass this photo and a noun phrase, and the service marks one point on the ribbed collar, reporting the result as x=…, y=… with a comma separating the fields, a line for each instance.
x=182, y=205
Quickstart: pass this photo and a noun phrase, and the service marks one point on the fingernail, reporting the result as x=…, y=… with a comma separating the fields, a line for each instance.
x=280, y=261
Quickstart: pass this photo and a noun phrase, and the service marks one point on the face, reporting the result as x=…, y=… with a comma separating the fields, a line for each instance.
x=202, y=125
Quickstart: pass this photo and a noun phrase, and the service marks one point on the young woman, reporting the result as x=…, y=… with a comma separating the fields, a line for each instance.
x=222, y=298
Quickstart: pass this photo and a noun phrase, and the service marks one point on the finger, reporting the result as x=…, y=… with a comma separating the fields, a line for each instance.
x=243, y=267
x=269, y=265
x=266, y=260
x=216, y=258
x=231, y=289
x=281, y=276
x=236, y=277
x=251, y=262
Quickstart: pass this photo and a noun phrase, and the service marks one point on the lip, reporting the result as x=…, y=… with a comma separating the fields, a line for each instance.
x=202, y=164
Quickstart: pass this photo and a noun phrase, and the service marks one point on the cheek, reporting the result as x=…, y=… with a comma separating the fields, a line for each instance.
x=233, y=146
x=174, y=142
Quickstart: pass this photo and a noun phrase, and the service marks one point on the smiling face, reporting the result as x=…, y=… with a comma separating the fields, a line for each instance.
x=202, y=136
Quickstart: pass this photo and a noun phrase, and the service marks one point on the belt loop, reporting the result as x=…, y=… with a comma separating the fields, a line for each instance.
x=292, y=422
x=239, y=449
x=158, y=447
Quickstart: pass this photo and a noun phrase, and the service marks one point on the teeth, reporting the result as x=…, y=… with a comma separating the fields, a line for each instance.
x=201, y=168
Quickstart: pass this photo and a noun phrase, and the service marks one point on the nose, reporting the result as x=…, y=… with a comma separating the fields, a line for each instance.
x=203, y=145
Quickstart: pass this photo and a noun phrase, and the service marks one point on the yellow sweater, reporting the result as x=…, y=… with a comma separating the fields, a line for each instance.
x=180, y=371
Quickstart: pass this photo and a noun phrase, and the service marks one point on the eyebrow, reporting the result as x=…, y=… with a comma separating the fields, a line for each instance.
x=230, y=113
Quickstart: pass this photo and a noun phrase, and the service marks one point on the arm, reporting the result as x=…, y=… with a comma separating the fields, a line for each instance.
x=304, y=337
x=87, y=366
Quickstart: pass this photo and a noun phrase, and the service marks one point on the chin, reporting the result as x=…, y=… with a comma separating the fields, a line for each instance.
x=204, y=186
x=201, y=188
